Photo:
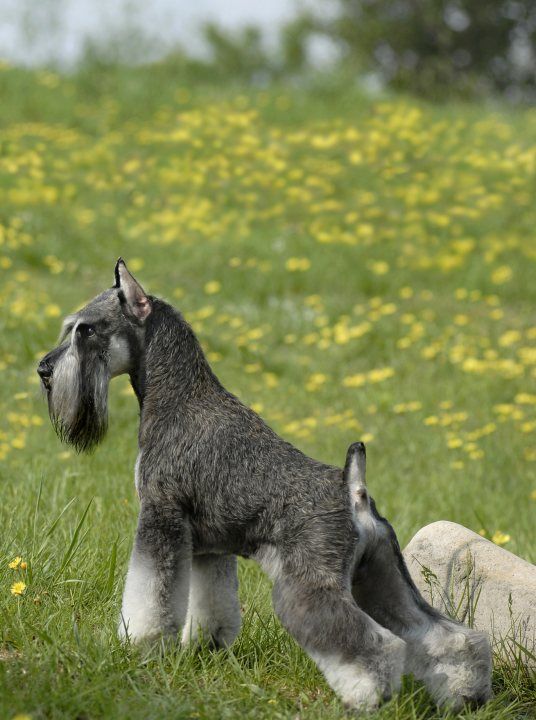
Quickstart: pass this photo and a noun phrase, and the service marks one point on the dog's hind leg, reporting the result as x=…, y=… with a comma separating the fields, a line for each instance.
x=453, y=661
x=213, y=606
x=155, y=598
x=362, y=661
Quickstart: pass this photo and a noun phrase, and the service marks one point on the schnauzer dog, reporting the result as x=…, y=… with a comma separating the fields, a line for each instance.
x=215, y=482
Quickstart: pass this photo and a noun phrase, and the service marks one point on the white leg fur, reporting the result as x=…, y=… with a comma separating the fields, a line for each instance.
x=453, y=661
x=142, y=614
x=213, y=607
x=359, y=686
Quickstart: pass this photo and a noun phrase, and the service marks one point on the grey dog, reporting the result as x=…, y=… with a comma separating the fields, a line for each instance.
x=215, y=482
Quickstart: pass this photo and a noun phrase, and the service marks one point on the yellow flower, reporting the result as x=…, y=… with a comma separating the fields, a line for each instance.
x=18, y=588
x=212, y=287
x=379, y=267
x=135, y=263
x=270, y=379
x=380, y=374
x=500, y=538
x=14, y=564
x=355, y=380
x=501, y=275
x=525, y=399
x=52, y=310
x=253, y=367
x=407, y=407
x=509, y=338
x=315, y=381
x=295, y=264
x=19, y=442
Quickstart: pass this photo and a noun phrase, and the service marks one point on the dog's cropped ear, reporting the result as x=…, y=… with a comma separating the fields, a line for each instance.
x=131, y=294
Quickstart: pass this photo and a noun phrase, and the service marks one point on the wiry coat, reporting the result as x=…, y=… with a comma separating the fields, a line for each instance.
x=215, y=482
x=240, y=485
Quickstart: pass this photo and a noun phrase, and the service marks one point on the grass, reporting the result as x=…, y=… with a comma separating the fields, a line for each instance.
x=355, y=269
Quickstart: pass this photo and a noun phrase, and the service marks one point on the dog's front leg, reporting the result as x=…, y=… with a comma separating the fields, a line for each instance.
x=155, y=599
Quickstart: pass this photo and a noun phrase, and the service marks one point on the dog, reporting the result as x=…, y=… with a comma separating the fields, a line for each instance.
x=215, y=482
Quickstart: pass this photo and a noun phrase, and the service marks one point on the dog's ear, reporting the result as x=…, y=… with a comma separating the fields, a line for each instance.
x=131, y=294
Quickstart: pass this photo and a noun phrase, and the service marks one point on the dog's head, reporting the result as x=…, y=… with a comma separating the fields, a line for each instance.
x=102, y=340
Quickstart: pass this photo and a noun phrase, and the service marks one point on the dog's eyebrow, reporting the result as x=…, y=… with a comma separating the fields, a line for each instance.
x=66, y=327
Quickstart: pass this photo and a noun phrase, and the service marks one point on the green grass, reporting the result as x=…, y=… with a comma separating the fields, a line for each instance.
x=355, y=269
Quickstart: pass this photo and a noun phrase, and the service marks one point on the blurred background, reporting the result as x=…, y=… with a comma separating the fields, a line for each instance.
x=435, y=48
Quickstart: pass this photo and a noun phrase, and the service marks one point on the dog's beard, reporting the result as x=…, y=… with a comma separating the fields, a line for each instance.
x=78, y=401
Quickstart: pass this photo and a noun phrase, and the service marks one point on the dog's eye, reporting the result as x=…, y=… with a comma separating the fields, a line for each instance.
x=85, y=330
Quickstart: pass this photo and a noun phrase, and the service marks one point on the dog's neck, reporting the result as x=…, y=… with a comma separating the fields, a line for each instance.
x=170, y=366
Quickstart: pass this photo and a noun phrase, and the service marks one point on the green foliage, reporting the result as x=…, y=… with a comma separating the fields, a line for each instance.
x=440, y=48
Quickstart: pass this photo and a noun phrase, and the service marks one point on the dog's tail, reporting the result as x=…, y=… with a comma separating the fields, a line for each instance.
x=354, y=475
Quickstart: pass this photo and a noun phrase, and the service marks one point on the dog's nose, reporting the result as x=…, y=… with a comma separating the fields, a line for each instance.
x=44, y=370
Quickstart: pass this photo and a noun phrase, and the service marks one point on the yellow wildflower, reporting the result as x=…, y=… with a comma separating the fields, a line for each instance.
x=295, y=264
x=14, y=564
x=355, y=380
x=212, y=287
x=18, y=588
x=52, y=310
x=379, y=267
x=135, y=263
x=500, y=538
x=525, y=399
x=380, y=374
x=501, y=275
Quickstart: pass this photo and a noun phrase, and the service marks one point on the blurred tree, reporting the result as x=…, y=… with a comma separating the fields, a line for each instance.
x=240, y=53
x=435, y=47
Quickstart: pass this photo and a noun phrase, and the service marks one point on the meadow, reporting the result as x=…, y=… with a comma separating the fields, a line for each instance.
x=356, y=268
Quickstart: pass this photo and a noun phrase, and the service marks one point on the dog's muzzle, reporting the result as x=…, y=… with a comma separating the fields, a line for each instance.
x=44, y=370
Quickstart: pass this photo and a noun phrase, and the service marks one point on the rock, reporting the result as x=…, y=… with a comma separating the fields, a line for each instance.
x=466, y=576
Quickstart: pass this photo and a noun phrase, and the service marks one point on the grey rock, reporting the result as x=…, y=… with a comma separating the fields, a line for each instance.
x=464, y=575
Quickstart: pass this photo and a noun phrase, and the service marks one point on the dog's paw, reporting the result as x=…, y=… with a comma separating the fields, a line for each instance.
x=364, y=683
x=215, y=635
x=459, y=669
